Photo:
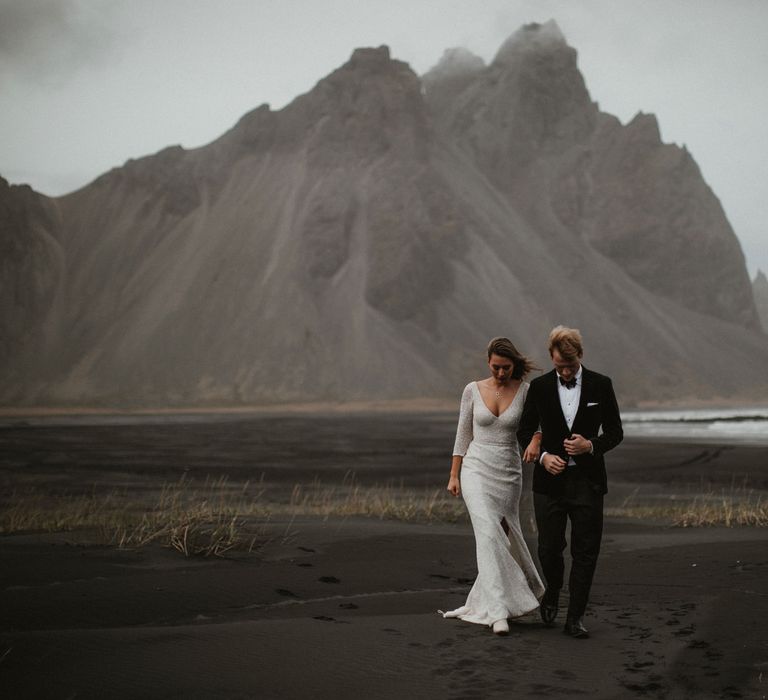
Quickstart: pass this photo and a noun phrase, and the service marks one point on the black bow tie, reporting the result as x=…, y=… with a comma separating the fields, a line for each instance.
x=568, y=384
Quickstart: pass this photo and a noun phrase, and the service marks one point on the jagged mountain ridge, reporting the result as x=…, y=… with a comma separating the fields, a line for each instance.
x=364, y=242
x=535, y=132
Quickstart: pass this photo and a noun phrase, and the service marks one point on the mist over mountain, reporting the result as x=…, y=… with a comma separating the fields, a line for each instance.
x=367, y=240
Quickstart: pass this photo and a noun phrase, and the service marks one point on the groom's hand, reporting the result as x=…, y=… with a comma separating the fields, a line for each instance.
x=552, y=463
x=577, y=445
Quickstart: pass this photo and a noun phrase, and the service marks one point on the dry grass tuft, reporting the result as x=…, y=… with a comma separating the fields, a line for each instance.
x=216, y=517
x=737, y=507
x=383, y=502
x=725, y=510
x=36, y=512
x=208, y=521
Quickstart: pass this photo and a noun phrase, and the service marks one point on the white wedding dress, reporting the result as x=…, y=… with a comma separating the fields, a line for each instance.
x=507, y=583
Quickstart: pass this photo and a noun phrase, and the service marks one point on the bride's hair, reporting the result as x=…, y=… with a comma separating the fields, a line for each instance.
x=504, y=348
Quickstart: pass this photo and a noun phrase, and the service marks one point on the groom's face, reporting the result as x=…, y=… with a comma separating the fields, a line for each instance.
x=566, y=368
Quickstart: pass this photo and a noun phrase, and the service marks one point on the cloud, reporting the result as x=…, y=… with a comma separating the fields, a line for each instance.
x=45, y=40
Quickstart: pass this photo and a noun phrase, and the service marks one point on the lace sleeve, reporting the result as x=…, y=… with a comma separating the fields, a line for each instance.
x=464, y=429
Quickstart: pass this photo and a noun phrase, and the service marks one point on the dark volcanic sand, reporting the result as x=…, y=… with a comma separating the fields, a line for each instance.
x=410, y=448
x=346, y=607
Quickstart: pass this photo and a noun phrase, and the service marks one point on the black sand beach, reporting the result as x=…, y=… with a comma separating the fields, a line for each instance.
x=345, y=607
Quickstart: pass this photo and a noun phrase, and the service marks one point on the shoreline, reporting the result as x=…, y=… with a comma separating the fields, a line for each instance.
x=415, y=405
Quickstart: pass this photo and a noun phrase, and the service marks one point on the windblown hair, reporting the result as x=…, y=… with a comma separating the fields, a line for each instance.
x=504, y=347
x=567, y=341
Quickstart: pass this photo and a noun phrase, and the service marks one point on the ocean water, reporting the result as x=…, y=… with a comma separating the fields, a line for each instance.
x=748, y=425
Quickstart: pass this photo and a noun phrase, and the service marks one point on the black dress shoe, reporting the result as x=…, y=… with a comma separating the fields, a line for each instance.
x=548, y=609
x=574, y=627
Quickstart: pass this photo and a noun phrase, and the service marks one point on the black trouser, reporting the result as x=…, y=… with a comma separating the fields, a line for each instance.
x=582, y=502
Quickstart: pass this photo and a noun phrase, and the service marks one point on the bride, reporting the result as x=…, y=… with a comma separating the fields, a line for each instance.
x=487, y=471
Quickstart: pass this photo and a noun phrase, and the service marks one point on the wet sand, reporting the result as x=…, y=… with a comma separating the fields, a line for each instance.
x=346, y=607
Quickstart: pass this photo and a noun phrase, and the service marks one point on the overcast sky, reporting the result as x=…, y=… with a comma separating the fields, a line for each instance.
x=87, y=84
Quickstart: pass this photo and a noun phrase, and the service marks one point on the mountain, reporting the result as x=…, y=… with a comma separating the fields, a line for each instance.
x=760, y=290
x=534, y=132
x=368, y=239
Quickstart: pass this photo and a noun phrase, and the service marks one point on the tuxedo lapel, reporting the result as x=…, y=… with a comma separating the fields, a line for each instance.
x=586, y=387
x=557, y=408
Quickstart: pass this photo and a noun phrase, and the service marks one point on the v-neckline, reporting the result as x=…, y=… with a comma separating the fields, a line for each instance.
x=514, y=398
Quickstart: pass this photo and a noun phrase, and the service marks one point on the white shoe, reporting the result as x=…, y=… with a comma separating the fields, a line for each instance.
x=500, y=627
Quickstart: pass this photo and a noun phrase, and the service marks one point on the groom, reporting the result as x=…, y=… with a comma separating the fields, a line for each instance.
x=569, y=405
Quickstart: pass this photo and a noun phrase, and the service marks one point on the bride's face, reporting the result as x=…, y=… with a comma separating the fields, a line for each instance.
x=501, y=368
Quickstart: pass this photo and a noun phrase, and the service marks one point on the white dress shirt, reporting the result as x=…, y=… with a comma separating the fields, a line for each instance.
x=569, y=404
x=569, y=398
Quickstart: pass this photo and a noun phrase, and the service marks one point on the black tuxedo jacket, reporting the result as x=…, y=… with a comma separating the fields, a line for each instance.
x=597, y=409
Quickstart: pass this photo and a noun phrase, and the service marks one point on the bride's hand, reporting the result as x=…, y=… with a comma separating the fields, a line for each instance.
x=533, y=450
x=454, y=486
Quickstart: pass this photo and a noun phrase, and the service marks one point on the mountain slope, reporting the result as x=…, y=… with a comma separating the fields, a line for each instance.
x=760, y=290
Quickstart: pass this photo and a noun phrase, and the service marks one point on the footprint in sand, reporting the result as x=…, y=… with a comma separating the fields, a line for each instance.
x=285, y=592
x=325, y=618
x=637, y=667
x=564, y=675
x=329, y=579
x=698, y=644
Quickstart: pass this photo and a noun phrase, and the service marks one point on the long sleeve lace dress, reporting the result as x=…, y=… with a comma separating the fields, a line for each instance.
x=507, y=583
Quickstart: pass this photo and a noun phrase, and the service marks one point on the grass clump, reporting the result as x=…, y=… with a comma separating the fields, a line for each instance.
x=36, y=512
x=383, y=502
x=208, y=520
x=736, y=507
x=216, y=517
x=724, y=510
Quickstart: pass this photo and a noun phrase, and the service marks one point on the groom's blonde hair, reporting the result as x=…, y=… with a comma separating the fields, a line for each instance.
x=567, y=341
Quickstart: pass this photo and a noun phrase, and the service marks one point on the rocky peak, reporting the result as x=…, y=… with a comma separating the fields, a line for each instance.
x=539, y=70
x=531, y=103
x=371, y=105
x=370, y=58
x=532, y=38
x=456, y=70
x=645, y=127
x=366, y=66
x=21, y=207
x=455, y=62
